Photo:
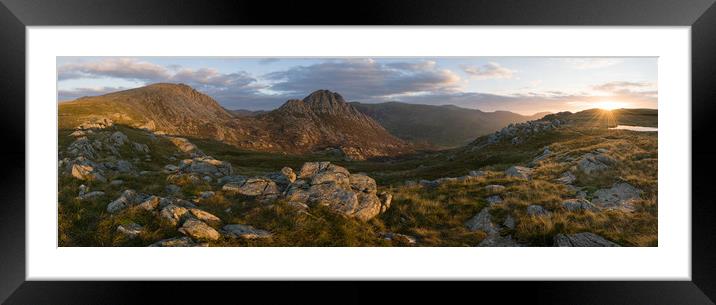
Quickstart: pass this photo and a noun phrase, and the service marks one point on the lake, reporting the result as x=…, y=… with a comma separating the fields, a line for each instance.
x=635, y=128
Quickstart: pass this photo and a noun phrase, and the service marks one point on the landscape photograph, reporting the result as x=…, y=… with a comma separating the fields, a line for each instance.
x=357, y=151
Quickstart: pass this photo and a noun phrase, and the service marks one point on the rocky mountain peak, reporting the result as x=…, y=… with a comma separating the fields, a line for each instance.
x=325, y=101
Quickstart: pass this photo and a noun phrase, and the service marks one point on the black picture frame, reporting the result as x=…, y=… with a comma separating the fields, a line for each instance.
x=16, y=15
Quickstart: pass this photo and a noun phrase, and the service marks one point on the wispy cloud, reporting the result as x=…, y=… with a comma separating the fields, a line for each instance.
x=491, y=70
x=591, y=63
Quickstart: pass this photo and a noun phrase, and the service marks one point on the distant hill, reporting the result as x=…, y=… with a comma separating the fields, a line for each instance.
x=319, y=121
x=442, y=126
x=610, y=118
x=245, y=113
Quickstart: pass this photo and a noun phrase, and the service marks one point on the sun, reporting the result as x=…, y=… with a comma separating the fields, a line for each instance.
x=609, y=105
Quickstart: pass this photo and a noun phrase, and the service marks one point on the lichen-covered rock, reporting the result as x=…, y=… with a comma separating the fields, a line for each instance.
x=492, y=200
x=362, y=183
x=399, y=238
x=590, y=163
x=566, y=178
x=482, y=222
x=149, y=204
x=177, y=242
x=496, y=240
x=118, y=138
x=174, y=214
x=585, y=239
x=127, y=199
x=254, y=186
x=536, y=210
x=205, y=216
x=130, y=230
x=494, y=188
x=578, y=204
x=90, y=195
x=520, y=172
x=87, y=172
x=197, y=229
x=385, y=200
x=620, y=196
x=244, y=231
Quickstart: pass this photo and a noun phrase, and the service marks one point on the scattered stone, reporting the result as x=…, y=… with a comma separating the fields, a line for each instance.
x=124, y=166
x=87, y=172
x=399, y=238
x=536, y=210
x=206, y=194
x=83, y=189
x=90, y=195
x=118, y=138
x=199, y=230
x=620, y=195
x=510, y=222
x=150, y=203
x=585, y=239
x=567, y=178
x=140, y=148
x=578, y=204
x=116, y=183
x=206, y=178
x=174, y=214
x=171, y=168
x=127, y=199
x=130, y=230
x=177, y=242
x=172, y=189
x=245, y=232
x=482, y=222
x=494, y=188
x=185, y=146
x=590, y=163
x=206, y=217
x=545, y=154
x=428, y=183
x=495, y=199
x=385, y=200
x=207, y=166
x=520, y=172
x=477, y=173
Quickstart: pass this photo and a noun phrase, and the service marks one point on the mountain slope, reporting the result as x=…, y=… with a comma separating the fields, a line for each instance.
x=321, y=120
x=446, y=126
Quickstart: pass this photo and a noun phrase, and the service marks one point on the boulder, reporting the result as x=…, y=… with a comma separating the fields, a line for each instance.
x=494, y=188
x=510, y=222
x=150, y=204
x=124, y=166
x=585, y=239
x=363, y=183
x=482, y=222
x=520, y=172
x=130, y=230
x=172, y=189
x=185, y=146
x=87, y=172
x=140, y=148
x=206, y=217
x=428, y=183
x=83, y=189
x=90, y=195
x=578, y=204
x=494, y=199
x=82, y=148
x=177, y=242
x=174, y=214
x=536, y=210
x=208, y=166
x=254, y=186
x=116, y=183
x=127, y=199
x=477, y=173
x=620, y=196
x=591, y=163
x=244, y=231
x=206, y=194
x=283, y=178
x=385, y=200
x=197, y=229
x=118, y=138
x=566, y=178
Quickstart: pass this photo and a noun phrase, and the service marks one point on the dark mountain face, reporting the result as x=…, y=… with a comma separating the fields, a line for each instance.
x=441, y=126
x=321, y=120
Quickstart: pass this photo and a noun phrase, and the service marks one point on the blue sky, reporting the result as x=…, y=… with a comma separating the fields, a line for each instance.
x=520, y=84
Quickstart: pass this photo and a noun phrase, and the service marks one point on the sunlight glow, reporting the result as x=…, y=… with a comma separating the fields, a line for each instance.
x=609, y=105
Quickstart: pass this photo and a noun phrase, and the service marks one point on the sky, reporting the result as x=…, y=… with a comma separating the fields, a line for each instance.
x=525, y=85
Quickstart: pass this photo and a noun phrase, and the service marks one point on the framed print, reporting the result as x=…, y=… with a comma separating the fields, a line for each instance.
x=188, y=142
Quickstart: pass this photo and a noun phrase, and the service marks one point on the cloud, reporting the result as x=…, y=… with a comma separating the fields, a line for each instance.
x=625, y=87
x=365, y=78
x=127, y=68
x=71, y=94
x=491, y=70
x=591, y=63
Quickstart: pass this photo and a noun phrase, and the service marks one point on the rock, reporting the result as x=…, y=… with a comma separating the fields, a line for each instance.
x=566, y=178
x=446, y=180
x=177, y=242
x=495, y=240
x=477, y=173
x=124, y=166
x=482, y=222
x=510, y=222
x=330, y=174
x=428, y=183
x=171, y=168
x=150, y=203
x=208, y=166
x=245, y=232
x=83, y=189
x=309, y=169
x=494, y=188
x=174, y=214
x=399, y=238
x=520, y=172
x=199, y=230
x=297, y=205
x=545, y=154
x=283, y=178
x=116, y=182
x=495, y=199
x=575, y=205
x=127, y=199
x=185, y=146
x=585, y=239
x=172, y=189
x=130, y=230
x=536, y=210
x=206, y=194
x=236, y=180
x=590, y=163
x=90, y=195
x=100, y=123
x=140, y=148
x=254, y=186
x=620, y=195
x=118, y=138
x=206, y=217
x=363, y=183
x=385, y=200
x=82, y=148
x=87, y=173
x=206, y=179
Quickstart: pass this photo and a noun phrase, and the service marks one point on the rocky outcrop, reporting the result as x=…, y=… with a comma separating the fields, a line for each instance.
x=204, y=165
x=620, y=196
x=578, y=204
x=595, y=162
x=517, y=133
x=244, y=231
x=483, y=222
x=585, y=239
x=261, y=187
x=519, y=172
x=566, y=178
x=199, y=230
x=127, y=199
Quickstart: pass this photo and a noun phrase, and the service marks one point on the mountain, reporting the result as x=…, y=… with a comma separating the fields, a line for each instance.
x=321, y=120
x=610, y=118
x=245, y=112
x=324, y=119
x=442, y=126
